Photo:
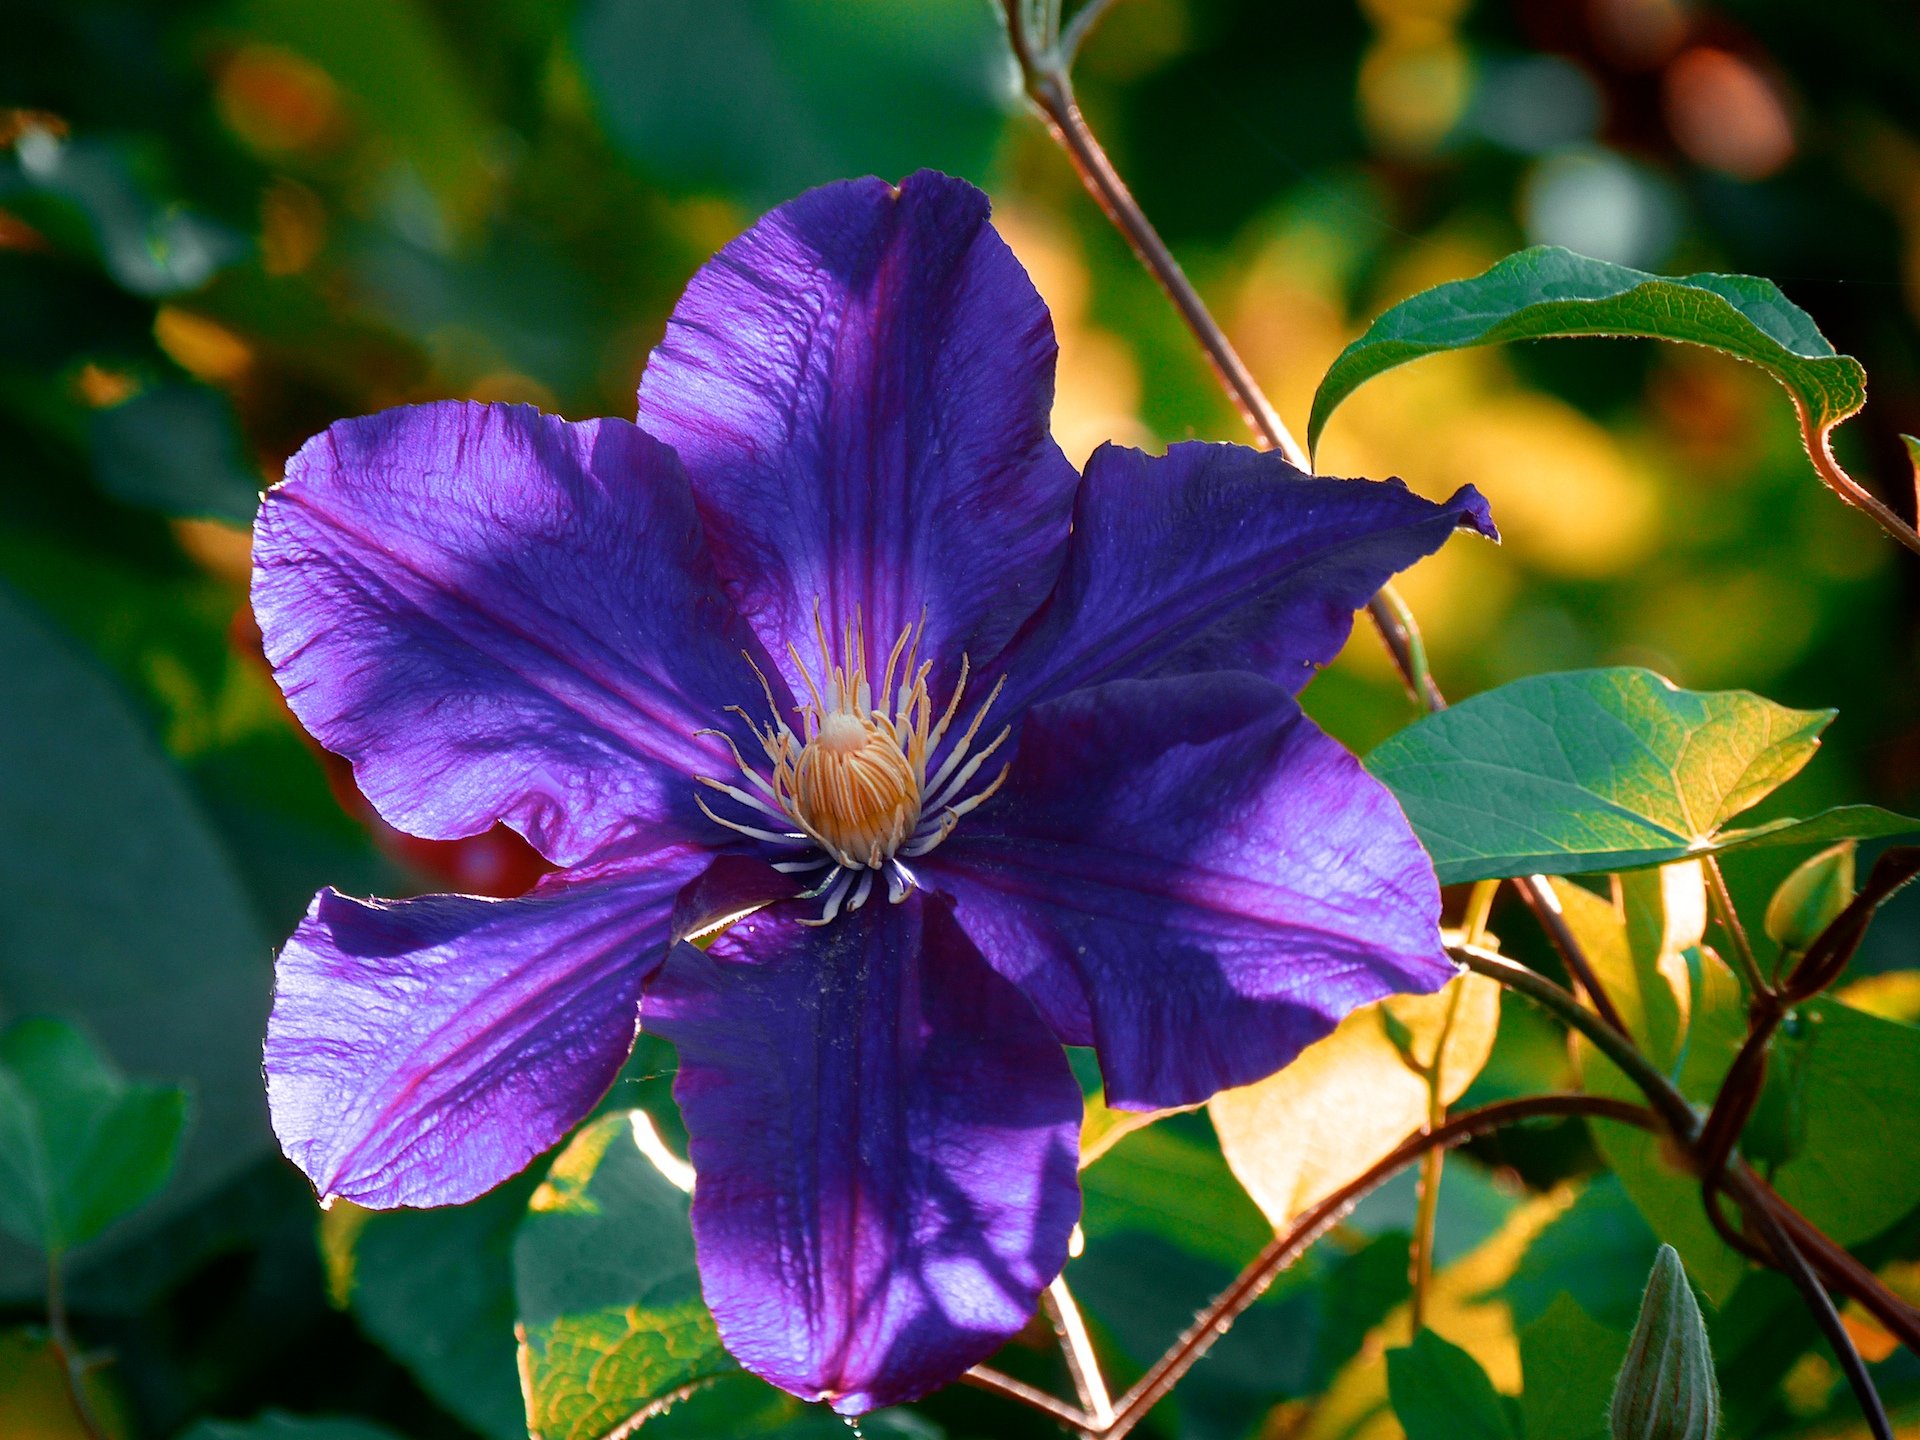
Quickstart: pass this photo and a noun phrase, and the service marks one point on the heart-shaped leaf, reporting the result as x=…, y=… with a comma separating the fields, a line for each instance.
x=79, y=1145
x=1614, y=769
x=1549, y=292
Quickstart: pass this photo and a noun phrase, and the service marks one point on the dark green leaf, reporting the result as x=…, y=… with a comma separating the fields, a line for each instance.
x=1615, y=769
x=79, y=1145
x=1440, y=1392
x=610, y=1306
x=1594, y=1253
x=1547, y=291
x=761, y=100
x=175, y=449
x=435, y=1289
x=1856, y=1168
x=122, y=910
x=1567, y=1364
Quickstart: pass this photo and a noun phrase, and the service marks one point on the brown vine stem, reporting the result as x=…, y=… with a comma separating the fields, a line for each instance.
x=1287, y=1247
x=1294, y=1241
x=1819, y=443
x=1077, y=1346
x=1044, y=61
x=1787, y=1255
x=73, y=1366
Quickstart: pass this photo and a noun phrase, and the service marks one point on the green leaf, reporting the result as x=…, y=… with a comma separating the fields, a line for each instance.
x=1440, y=1392
x=1567, y=1363
x=122, y=909
x=1547, y=292
x=1352, y=1096
x=1617, y=769
x=79, y=1145
x=278, y=1425
x=435, y=1289
x=175, y=449
x=1856, y=1169
x=609, y=1298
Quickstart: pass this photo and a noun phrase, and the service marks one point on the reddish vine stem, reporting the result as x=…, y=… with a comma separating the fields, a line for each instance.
x=1293, y=1242
x=1787, y=1258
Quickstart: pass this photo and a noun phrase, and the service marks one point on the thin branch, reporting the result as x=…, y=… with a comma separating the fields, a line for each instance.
x=1794, y=1264
x=1292, y=1243
x=1729, y=920
x=73, y=1366
x=1545, y=906
x=982, y=1377
x=1082, y=1363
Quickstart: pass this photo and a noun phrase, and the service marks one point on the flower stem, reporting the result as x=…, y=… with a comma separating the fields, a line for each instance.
x=1787, y=1255
x=1434, y=1161
x=1294, y=1241
x=73, y=1367
x=1729, y=919
x=1082, y=1363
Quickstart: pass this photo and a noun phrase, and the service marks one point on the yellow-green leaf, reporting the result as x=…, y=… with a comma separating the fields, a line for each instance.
x=1347, y=1101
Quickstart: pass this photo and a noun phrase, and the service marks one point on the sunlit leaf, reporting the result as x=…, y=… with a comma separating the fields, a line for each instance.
x=80, y=1146
x=1349, y=1099
x=1637, y=944
x=1548, y=291
x=1693, y=998
x=1613, y=769
x=1567, y=1364
x=1440, y=1392
x=609, y=1297
x=122, y=909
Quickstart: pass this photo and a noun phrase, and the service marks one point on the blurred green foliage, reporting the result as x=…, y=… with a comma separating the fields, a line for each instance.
x=226, y=223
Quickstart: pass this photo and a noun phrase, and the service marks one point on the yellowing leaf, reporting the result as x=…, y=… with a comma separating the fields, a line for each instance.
x=1636, y=943
x=1296, y=1137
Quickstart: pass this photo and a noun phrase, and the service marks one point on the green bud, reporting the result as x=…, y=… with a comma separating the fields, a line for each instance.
x=1810, y=898
x=1666, y=1389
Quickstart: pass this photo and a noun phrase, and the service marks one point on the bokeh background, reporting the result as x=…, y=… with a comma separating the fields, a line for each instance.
x=224, y=225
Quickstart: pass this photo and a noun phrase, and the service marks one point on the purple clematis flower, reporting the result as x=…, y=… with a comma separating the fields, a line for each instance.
x=998, y=756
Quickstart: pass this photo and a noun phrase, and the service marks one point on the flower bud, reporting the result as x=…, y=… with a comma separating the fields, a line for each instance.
x=1666, y=1389
x=1810, y=898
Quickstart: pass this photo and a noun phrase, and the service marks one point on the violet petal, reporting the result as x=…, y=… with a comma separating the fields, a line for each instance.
x=1193, y=865
x=1219, y=557
x=499, y=615
x=859, y=387
x=885, y=1138
x=422, y=1051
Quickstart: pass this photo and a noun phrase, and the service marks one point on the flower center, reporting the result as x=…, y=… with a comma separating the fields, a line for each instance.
x=869, y=780
x=854, y=789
